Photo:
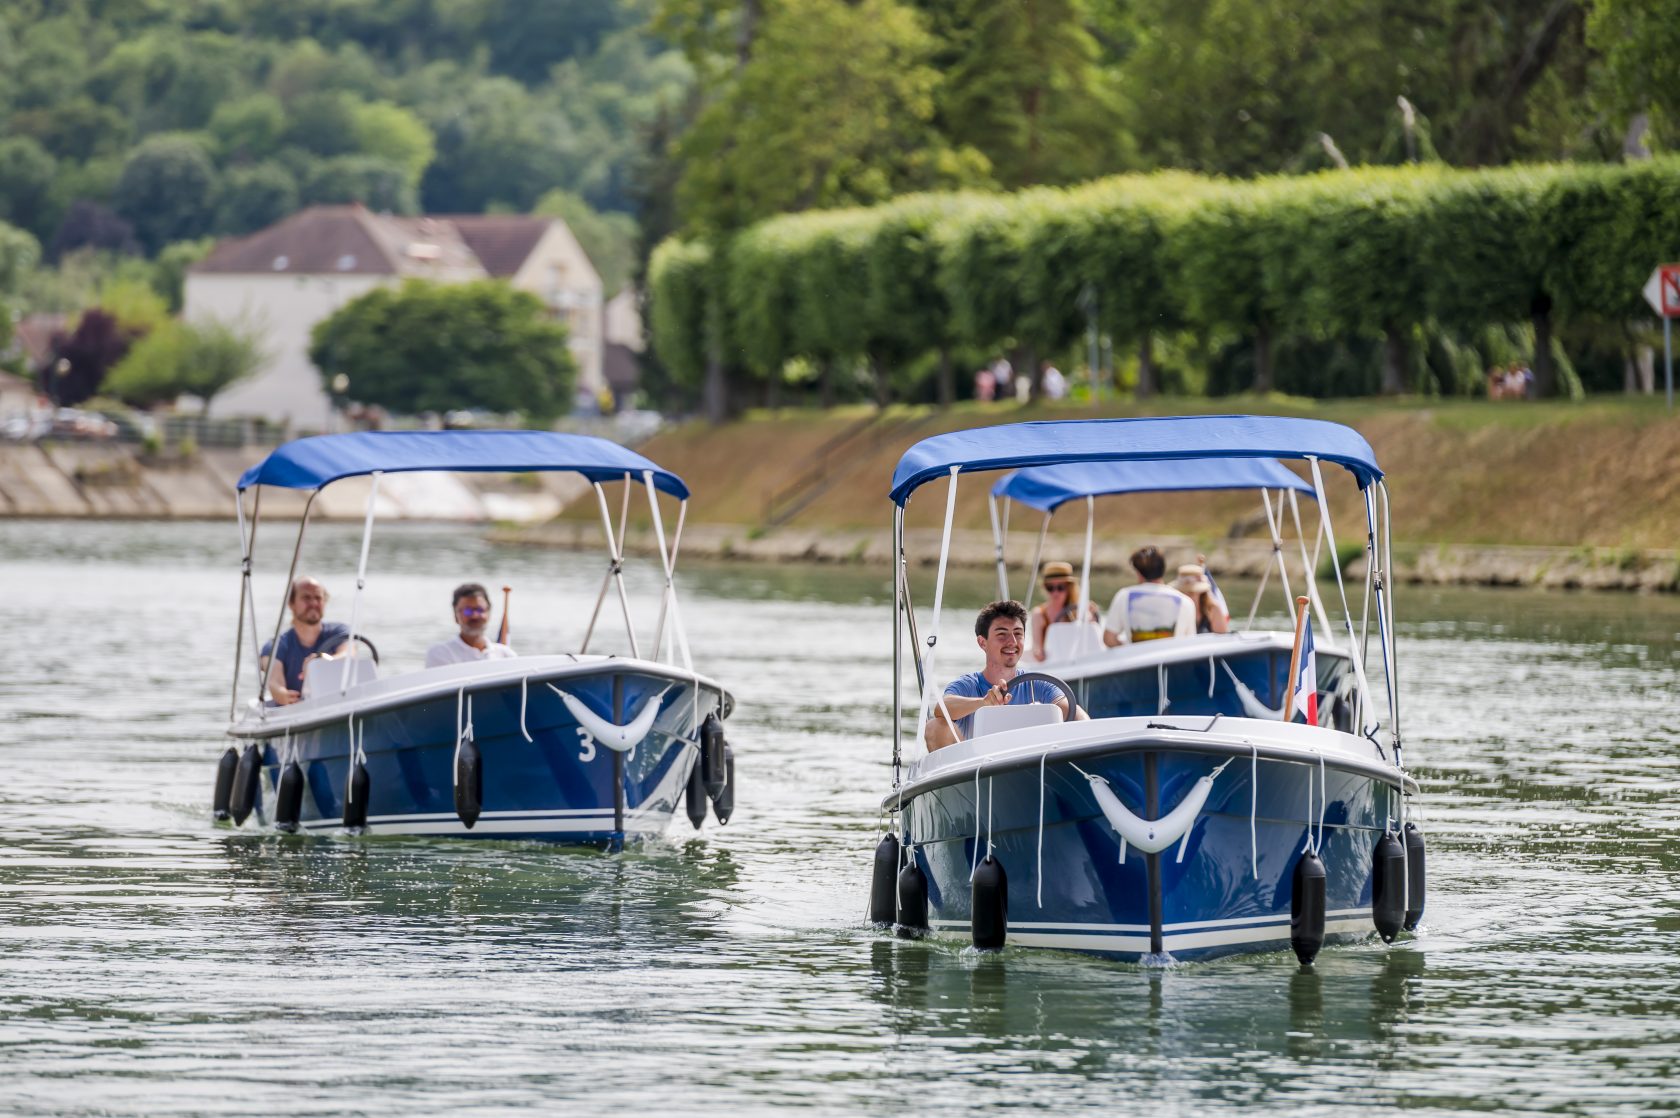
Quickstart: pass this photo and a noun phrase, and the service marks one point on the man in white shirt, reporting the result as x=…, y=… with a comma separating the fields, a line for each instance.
x=472, y=614
x=1151, y=610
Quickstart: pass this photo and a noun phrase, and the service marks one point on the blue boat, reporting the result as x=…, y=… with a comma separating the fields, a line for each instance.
x=1238, y=673
x=1182, y=833
x=572, y=747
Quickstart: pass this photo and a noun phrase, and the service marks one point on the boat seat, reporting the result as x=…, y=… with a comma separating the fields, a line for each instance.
x=326, y=677
x=1015, y=716
x=1067, y=639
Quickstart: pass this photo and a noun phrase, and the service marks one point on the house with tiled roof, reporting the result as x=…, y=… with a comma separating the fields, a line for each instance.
x=284, y=279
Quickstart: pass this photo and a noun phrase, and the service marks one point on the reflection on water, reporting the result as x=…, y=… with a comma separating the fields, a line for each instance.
x=152, y=963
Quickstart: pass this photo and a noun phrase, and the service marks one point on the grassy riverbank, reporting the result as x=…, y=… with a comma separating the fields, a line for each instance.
x=1604, y=473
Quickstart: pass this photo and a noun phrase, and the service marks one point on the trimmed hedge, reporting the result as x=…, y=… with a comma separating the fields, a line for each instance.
x=1371, y=252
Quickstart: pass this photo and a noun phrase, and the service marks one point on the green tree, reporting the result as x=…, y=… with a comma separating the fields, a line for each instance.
x=169, y=270
x=392, y=133
x=804, y=125
x=26, y=179
x=248, y=128
x=167, y=191
x=185, y=359
x=376, y=183
x=1023, y=84
x=1640, y=44
x=433, y=347
x=254, y=197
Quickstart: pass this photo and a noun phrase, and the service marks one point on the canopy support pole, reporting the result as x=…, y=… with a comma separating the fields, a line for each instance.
x=291, y=573
x=1368, y=723
x=361, y=576
x=1038, y=554
x=247, y=543
x=1084, y=579
x=615, y=570
x=898, y=643
x=1309, y=566
x=1385, y=622
x=667, y=560
x=938, y=604
x=670, y=589
x=902, y=563
x=997, y=548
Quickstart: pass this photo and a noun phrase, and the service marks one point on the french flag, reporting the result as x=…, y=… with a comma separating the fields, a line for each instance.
x=1305, y=698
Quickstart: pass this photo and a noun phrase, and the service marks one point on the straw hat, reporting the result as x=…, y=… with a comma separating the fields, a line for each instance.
x=1192, y=579
x=1056, y=569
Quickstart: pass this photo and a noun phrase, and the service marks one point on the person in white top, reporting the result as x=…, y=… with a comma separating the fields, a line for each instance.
x=1151, y=610
x=472, y=615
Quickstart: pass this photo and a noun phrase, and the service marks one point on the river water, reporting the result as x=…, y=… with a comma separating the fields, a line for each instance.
x=152, y=963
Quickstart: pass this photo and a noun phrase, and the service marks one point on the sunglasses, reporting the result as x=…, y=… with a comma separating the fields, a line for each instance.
x=474, y=611
x=1055, y=587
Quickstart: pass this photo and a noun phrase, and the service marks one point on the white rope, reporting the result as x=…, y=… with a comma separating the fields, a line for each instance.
x=974, y=859
x=1212, y=677
x=1161, y=688
x=991, y=798
x=1308, y=847
x=524, y=686
x=1042, y=757
x=1323, y=802
x=1254, y=807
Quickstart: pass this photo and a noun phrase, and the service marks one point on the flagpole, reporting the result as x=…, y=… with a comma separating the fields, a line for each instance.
x=1295, y=658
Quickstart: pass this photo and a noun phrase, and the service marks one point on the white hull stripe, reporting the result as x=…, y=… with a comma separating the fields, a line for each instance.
x=1186, y=925
x=506, y=822
x=1170, y=941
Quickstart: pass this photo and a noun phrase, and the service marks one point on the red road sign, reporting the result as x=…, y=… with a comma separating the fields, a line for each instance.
x=1662, y=290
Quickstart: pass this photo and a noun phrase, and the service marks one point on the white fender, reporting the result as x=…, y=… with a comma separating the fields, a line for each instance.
x=1251, y=704
x=1151, y=835
x=610, y=734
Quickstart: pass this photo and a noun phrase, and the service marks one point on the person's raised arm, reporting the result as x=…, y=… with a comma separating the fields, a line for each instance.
x=939, y=733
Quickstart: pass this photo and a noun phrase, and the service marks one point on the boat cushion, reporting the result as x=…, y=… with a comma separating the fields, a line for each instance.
x=326, y=677
x=1015, y=716
x=1067, y=639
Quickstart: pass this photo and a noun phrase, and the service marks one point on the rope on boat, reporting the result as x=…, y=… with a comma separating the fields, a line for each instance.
x=524, y=686
x=1042, y=757
x=974, y=858
x=1253, y=807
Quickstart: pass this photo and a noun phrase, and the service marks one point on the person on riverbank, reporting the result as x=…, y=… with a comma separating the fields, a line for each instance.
x=1061, y=605
x=471, y=606
x=1001, y=632
x=284, y=661
x=1212, y=615
x=1151, y=610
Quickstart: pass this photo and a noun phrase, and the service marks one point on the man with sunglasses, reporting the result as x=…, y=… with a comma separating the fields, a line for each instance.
x=472, y=615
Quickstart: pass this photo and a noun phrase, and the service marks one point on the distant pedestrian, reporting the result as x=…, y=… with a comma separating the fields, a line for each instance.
x=985, y=386
x=1055, y=384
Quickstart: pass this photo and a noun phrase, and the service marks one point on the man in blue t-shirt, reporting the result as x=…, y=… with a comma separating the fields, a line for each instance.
x=308, y=638
x=1001, y=633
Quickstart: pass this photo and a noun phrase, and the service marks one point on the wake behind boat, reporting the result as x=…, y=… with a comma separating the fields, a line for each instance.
x=570, y=746
x=1162, y=834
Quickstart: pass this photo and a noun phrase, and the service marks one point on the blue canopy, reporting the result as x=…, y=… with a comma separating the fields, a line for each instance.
x=1047, y=488
x=1014, y=445
x=313, y=462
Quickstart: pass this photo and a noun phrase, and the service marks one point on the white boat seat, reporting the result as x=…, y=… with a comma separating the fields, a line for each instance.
x=326, y=677
x=1015, y=716
x=1067, y=639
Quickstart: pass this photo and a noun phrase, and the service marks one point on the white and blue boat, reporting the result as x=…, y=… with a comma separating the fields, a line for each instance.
x=1153, y=836
x=1242, y=672
x=570, y=746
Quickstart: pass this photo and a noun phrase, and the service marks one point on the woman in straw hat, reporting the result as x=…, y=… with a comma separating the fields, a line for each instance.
x=1211, y=614
x=1061, y=604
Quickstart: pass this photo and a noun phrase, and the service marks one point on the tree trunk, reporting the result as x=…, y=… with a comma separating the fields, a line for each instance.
x=825, y=382
x=1263, y=359
x=1034, y=373
x=1393, y=361
x=883, y=389
x=947, y=378
x=1545, y=370
x=773, y=391
x=1647, y=362
x=1148, y=384
x=715, y=395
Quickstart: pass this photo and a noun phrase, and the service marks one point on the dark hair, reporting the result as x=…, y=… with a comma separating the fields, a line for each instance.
x=1149, y=563
x=1015, y=611
x=469, y=590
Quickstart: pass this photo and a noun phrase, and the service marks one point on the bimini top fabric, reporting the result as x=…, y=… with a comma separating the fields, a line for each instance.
x=1047, y=488
x=313, y=462
x=1016, y=445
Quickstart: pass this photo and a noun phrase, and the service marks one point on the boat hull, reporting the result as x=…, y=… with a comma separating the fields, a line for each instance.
x=1071, y=886
x=562, y=785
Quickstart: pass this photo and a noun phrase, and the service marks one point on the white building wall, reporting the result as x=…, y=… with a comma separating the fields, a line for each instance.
x=283, y=309
x=561, y=274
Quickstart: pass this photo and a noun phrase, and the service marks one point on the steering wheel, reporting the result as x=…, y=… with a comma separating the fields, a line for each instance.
x=1054, y=681
x=359, y=639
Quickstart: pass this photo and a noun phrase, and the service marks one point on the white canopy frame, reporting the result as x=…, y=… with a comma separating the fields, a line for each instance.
x=669, y=610
x=1376, y=562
